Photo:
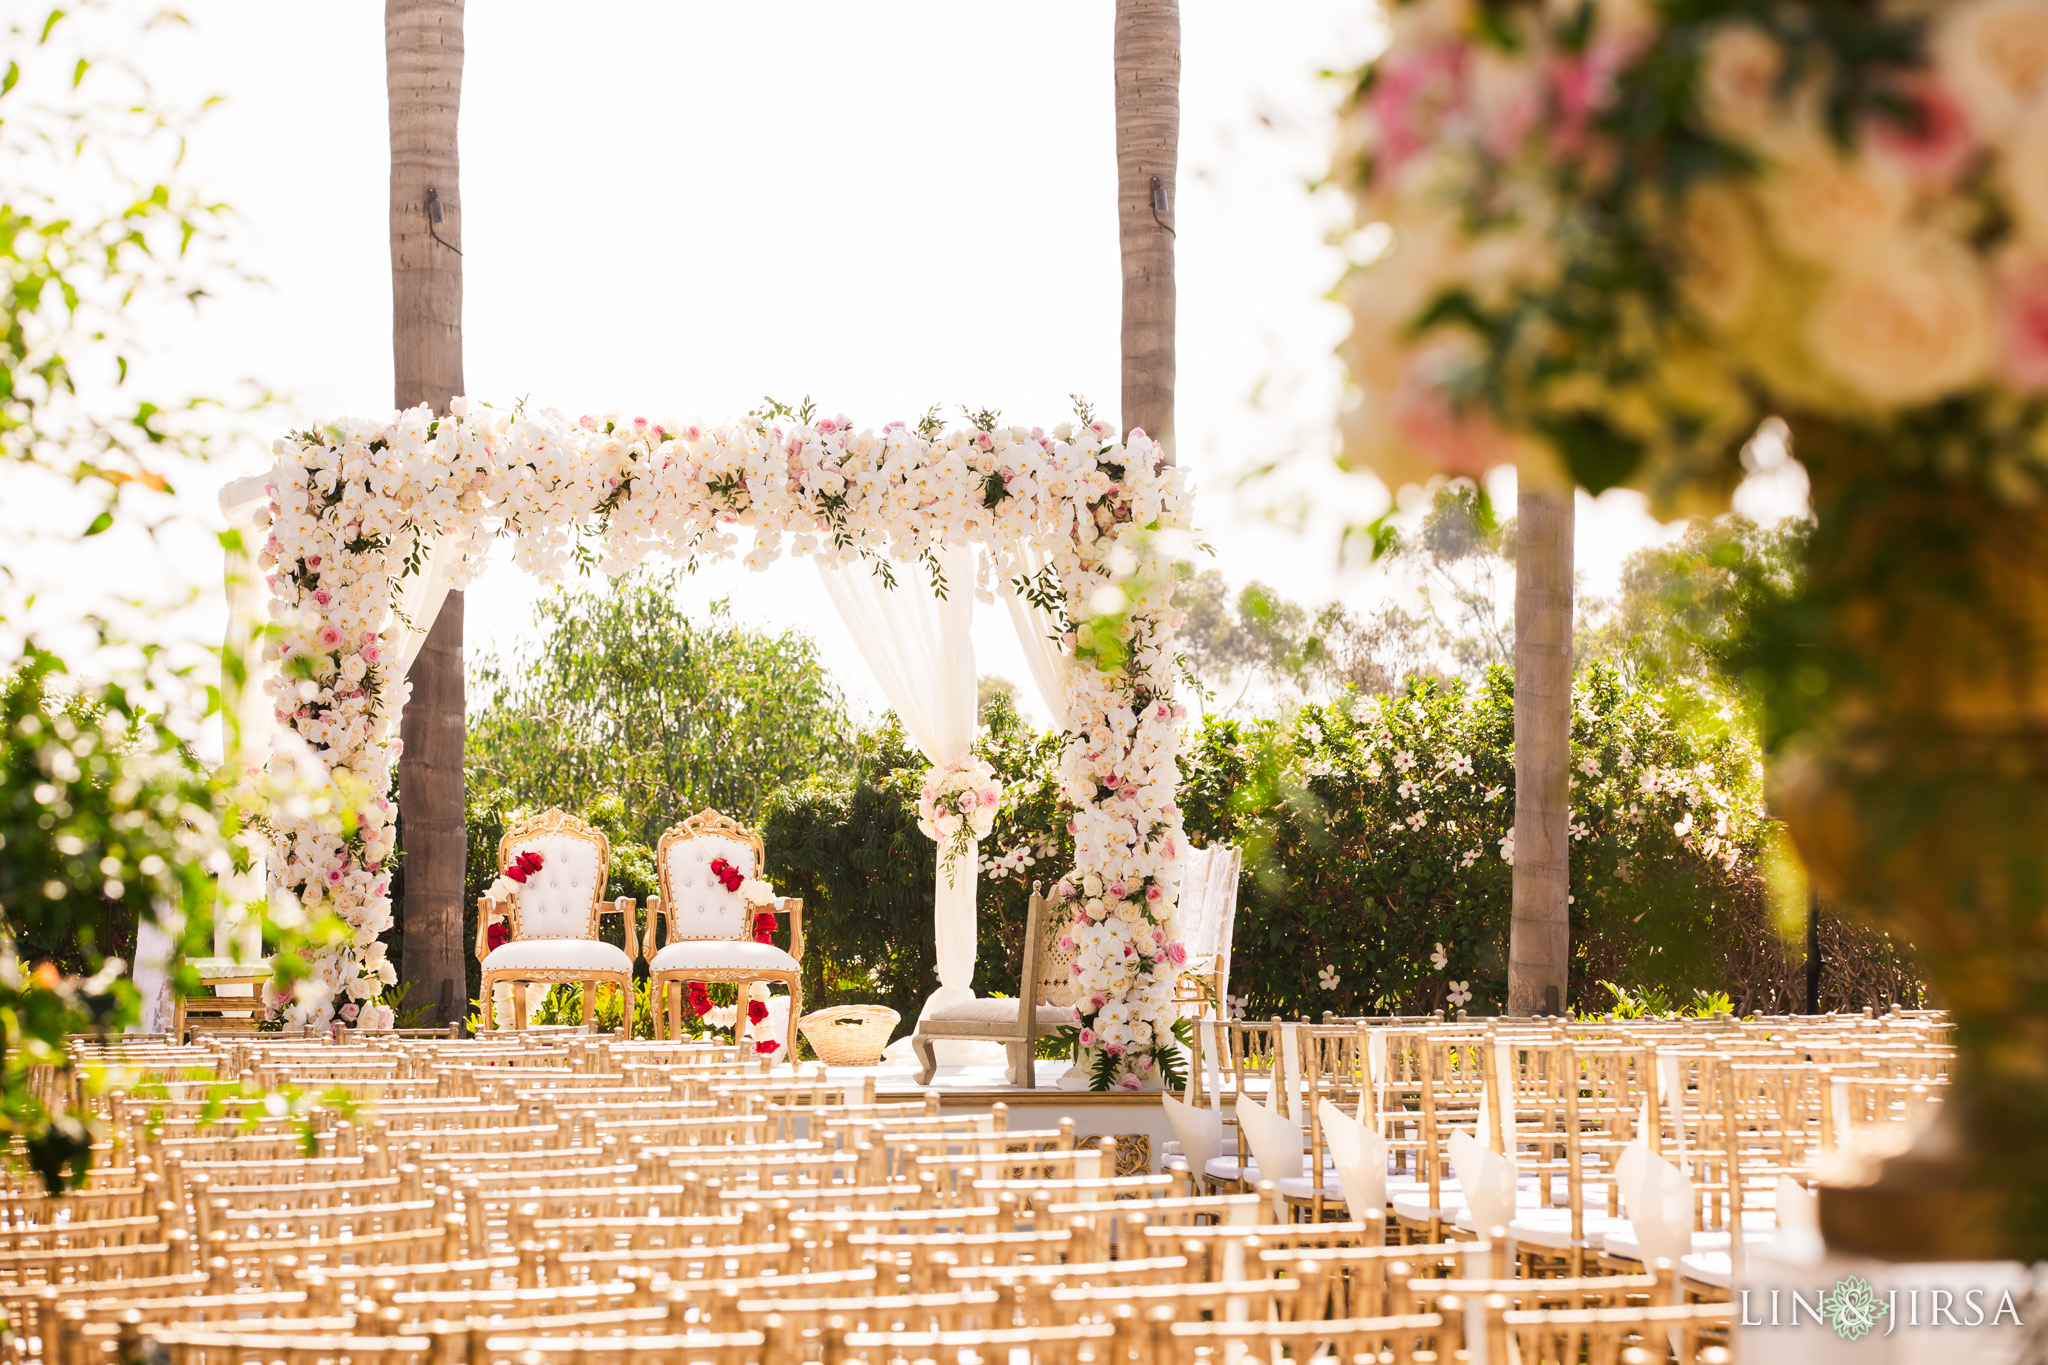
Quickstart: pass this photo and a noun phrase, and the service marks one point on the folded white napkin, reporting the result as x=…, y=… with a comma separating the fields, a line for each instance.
x=1658, y=1200
x=1200, y=1132
x=1276, y=1145
x=1360, y=1156
x=1487, y=1179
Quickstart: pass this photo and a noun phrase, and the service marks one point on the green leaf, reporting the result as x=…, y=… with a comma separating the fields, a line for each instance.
x=12, y=77
x=1598, y=456
x=100, y=523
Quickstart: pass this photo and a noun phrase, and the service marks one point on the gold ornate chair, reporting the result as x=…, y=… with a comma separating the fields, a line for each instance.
x=554, y=917
x=711, y=930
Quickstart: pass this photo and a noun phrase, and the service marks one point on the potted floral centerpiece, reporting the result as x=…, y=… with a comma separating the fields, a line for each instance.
x=1607, y=243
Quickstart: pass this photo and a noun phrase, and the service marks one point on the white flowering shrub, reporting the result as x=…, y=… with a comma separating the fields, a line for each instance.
x=1379, y=841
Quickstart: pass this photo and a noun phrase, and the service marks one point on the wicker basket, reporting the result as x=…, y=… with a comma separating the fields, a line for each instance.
x=850, y=1035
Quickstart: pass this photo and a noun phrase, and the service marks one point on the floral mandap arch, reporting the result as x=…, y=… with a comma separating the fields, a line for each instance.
x=362, y=513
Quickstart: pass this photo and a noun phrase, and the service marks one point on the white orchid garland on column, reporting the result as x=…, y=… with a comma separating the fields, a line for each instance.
x=355, y=503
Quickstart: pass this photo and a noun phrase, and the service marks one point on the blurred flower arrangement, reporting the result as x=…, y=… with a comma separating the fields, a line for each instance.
x=1603, y=242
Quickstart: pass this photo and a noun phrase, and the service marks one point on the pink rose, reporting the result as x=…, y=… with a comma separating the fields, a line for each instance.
x=1129, y=793
x=1114, y=1049
x=1095, y=1004
x=312, y=561
x=1462, y=444
x=1154, y=894
x=1067, y=943
x=323, y=597
x=587, y=422
x=2023, y=325
x=371, y=654
x=1077, y=969
x=1932, y=141
x=989, y=796
x=1087, y=1037
x=334, y=876
x=1177, y=954
x=330, y=637
x=1116, y=889
x=1129, y=1082
x=350, y=1011
x=1407, y=99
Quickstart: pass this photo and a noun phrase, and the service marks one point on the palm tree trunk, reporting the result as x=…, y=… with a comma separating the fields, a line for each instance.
x=1539, y=942
x=1147, y=62
x=423, y=79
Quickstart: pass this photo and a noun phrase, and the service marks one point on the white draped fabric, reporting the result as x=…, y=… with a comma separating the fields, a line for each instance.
x=420, y=598
x=1038, y=634
x=921, y=650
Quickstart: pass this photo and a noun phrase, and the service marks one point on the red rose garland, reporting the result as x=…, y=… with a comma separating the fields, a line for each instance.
x=765, y=925
x=525, y=865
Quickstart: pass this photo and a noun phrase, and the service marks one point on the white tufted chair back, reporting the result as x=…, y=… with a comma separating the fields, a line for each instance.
x=560, y=900
x=699, y=906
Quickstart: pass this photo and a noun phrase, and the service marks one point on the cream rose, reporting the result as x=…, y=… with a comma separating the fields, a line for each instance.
x=1994, y=55
x=2024, y=172
x=1720, y=260
x=1905, y=324
x=1738, y=90
x=1825, y=208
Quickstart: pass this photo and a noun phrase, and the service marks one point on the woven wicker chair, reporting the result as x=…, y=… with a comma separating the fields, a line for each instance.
x=1017, y=1024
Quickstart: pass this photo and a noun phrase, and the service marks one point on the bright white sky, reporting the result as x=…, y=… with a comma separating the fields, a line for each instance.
x=676, y=209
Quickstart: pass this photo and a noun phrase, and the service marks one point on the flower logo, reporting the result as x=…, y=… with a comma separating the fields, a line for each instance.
x=1852, y=1308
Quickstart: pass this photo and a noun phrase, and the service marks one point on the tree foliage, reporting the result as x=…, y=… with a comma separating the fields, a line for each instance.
x=94, y=223
x=624, y=695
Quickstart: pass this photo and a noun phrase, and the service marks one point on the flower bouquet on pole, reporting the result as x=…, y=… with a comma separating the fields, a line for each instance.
x=1657, y=246
x=956, y=807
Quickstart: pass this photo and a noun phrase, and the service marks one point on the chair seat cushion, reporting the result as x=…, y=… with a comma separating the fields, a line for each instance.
x=1620, y=1241
x=1228, y=1168
x=1551, y=1229
x=721, y=955
x=997, y=1011
x=1299, y=1187
x=1711, y=1268
x=557, y=954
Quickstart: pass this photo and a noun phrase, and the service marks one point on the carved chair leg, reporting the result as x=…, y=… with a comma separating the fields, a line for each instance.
x=674, y=993
x=927, y=1063
x=589, y=1003
x=519, y=1010
x=1021, y=1070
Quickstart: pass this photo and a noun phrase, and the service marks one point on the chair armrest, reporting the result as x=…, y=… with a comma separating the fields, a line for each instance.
x=624, y=906
x=654, y=912
x=793, y=906
x=486, y=911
